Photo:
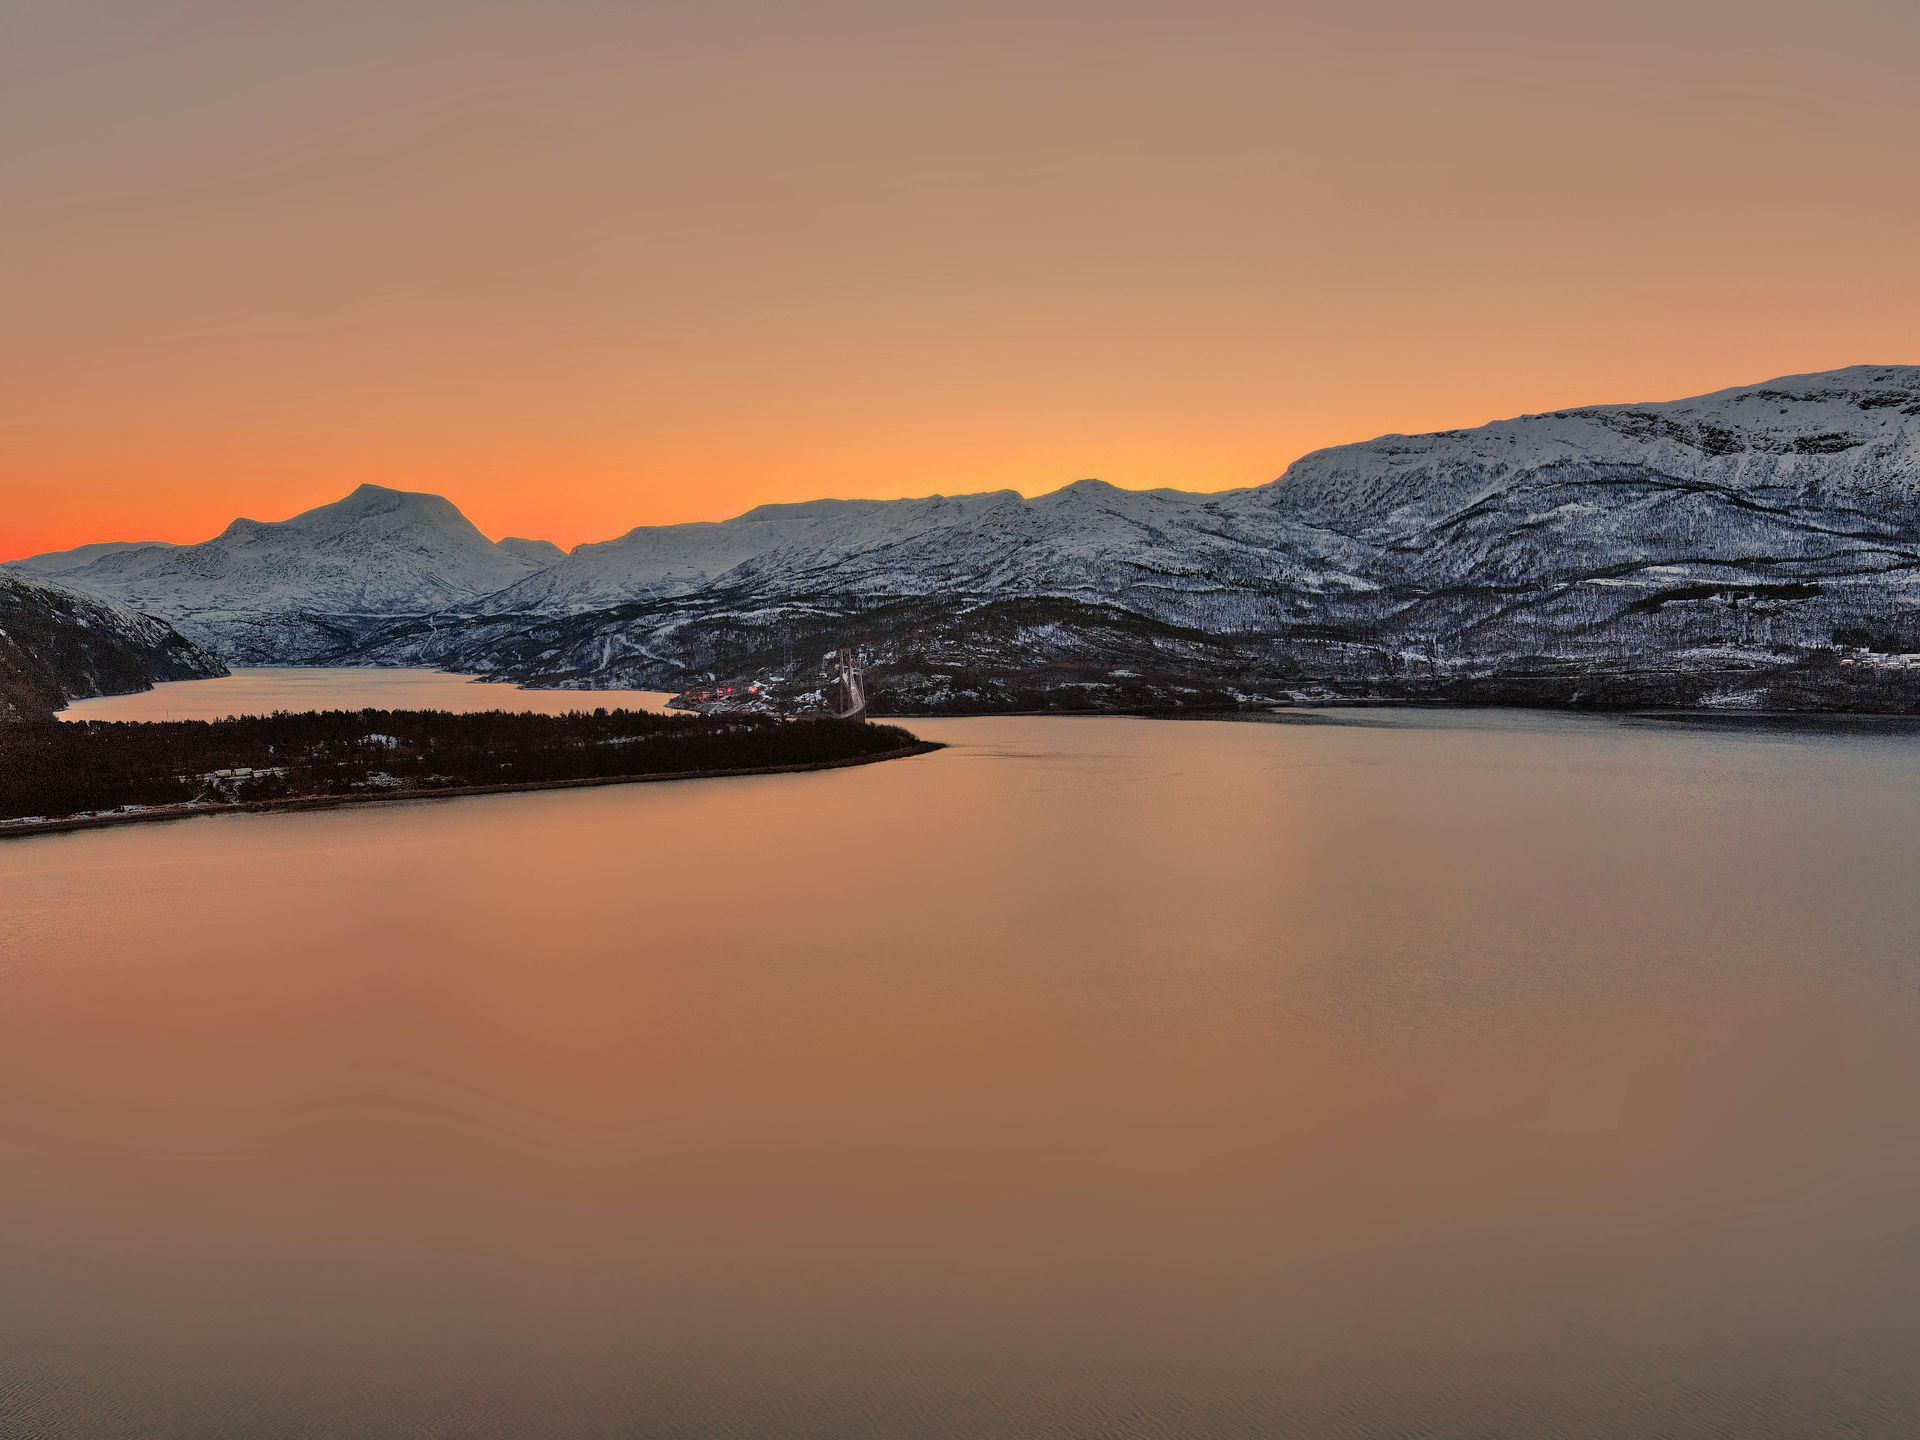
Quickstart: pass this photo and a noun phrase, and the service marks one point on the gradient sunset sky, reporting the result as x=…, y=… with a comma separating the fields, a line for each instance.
x=586, y=264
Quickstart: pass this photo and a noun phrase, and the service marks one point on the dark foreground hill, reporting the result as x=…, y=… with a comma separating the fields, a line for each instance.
x=57, y=645
x=131, y=770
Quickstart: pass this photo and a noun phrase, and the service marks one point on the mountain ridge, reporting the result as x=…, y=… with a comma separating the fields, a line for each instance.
x=261, y=591
x=1744, y=530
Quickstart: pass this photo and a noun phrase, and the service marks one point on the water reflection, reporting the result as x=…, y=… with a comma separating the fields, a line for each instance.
x=261, y=690
x=1490, y=1075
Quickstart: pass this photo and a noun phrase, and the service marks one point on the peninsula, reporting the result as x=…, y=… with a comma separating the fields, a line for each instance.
x=72, y=775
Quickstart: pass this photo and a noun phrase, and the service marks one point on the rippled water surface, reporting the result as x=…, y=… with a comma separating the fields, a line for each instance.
x=1435, y=1075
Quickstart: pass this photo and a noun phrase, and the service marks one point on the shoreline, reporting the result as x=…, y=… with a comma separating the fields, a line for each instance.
x=1308, y=709
x=586, y=698
x=14, y=831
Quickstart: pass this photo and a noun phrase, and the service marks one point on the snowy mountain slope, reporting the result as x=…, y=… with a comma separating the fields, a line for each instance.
x=664, y=560
x=1764, y=526
x=1622, y=530
x=58, y=564
x=292, y=589
x=1843, y=441
x=1749, y=527
x=1820, y=467
x=539, y=552
x=1089, y=541
x=57, y=645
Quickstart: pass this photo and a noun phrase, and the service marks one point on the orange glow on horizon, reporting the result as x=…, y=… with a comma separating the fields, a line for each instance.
x=596, y=267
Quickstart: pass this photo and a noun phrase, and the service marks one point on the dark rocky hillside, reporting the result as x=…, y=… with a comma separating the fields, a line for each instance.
x=56, y=646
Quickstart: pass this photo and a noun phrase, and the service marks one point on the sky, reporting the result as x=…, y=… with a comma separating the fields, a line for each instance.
x=587, y=264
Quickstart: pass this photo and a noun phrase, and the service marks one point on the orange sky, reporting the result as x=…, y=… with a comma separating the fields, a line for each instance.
x=586, y=264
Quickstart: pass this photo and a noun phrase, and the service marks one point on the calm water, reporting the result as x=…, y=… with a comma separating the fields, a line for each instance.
x=1445, y=1075
x=262, y=690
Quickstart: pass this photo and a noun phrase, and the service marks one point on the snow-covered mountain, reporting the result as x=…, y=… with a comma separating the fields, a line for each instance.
x=56, y=645
x=1844, y=440
x=1754, y=530
x=663, y=560
x=59, y=564
x=1089, y=541
x=539, y=552
x=297, y=589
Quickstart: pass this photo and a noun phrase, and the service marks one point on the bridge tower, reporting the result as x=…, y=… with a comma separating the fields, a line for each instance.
x=853, y=690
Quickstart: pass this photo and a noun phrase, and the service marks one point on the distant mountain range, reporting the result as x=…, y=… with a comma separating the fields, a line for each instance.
x=1755, y=546
x=299, y=588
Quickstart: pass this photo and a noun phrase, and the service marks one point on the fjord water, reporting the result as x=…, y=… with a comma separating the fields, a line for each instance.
x=1432, y=1074
x=260, y=690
